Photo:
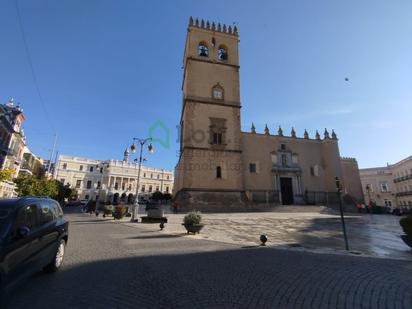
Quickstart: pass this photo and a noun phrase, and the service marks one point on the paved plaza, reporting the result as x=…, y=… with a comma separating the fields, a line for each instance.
x=317, y=229
x=114, y=265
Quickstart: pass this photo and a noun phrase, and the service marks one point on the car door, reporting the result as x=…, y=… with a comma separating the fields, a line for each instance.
x=50, y=233
x=20, y=251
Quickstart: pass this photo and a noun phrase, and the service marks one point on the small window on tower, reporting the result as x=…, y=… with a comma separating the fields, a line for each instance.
x=222, y=53
x=203, y=50
x=217, y=93
x=252, y=167
x=218, y=172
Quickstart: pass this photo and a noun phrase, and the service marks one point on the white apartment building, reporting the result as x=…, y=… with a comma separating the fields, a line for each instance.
x=402, y=173
x=378, y=186
x=390, y=185
x=111, y=180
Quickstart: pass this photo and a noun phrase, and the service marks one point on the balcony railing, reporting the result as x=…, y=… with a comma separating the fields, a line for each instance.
x=405, y=193
x=399, y=179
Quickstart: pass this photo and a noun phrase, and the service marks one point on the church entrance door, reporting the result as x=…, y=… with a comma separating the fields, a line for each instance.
x=286, y=190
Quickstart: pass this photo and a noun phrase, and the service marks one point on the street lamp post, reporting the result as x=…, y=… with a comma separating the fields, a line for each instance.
x=368, y=189
x=339, y=189
x=142, y=142
x=98, y=188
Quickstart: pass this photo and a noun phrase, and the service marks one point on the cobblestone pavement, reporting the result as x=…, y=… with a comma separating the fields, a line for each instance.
x=305, y=228
x=112, y=265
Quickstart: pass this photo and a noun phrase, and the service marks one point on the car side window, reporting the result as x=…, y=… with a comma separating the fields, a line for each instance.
x=27, y=216
x=57, y=211
x=46, y=213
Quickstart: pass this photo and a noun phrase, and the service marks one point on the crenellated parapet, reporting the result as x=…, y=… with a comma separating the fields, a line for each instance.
x=293, y=134
x=202, y=24
x=349, y=159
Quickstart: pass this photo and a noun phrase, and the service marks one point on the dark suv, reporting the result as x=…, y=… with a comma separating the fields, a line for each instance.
x=33, y=236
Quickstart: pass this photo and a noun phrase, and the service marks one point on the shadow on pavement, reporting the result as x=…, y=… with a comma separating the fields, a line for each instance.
x=363, y=236
x=158, y=236
x=241, y=278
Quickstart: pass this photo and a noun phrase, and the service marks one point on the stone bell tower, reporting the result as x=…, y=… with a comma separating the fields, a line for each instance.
x=209, y=173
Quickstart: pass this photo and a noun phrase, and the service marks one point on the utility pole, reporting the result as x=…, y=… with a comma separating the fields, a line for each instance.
x=51, y=154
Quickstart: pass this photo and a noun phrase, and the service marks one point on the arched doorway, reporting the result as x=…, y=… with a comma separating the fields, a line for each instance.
x=130, y=198
x=123, y=197
x=116, y=198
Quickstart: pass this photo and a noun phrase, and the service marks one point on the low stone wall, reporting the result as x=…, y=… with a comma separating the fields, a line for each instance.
x=220, y=201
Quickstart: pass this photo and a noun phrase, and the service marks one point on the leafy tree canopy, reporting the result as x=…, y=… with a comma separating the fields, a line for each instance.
x=30, y=185
x=6, y=174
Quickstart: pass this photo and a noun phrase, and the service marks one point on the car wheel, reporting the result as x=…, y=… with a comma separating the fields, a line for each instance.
x=58, y=258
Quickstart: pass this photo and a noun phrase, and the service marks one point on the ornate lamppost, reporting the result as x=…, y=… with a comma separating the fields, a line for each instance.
x=141, y=142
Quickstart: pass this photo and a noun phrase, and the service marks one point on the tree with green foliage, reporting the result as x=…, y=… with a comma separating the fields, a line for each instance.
x=6, y=174
x=31, y=186
x=65, y=191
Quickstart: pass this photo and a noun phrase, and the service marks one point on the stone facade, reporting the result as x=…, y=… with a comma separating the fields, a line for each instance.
x=352, y=185
x=12, y=139
x=111, y=180
x=402, y=173
x=378, y=186
x=7, y=189
x=222, y=168
x=390, y=185
x=31, y=164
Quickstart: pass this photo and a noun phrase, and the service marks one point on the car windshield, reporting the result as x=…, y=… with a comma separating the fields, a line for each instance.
x=4, y=221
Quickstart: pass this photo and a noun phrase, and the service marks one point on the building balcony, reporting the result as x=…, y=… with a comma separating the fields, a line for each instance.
x=403, y=178
x=406, y=193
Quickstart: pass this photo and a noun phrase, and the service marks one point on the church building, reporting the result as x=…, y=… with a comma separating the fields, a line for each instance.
x=221, y=168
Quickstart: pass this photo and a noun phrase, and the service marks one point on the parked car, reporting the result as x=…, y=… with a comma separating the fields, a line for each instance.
x=73, y=204
x=33, y=236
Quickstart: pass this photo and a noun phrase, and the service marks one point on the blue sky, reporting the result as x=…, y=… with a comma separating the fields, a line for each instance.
x=108, y=70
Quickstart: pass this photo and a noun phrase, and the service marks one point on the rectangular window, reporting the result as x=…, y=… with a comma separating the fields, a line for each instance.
x=218, y=172
x=217, y=138
x=384, y=187
x=167, y=189
x=284, y=160
x=91, y=169
x=80, y=167
x=101, y=170
x=98, y=184
x=62, y=180
x=157, y=188
x=150, y=188
x=252, y=167
x=89, y=184
x=78, y=183
x=143, y=188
